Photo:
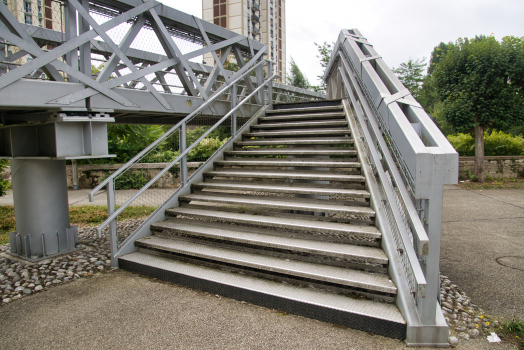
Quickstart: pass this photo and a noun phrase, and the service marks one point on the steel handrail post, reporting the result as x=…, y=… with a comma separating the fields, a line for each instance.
x=155, y=143
x=113, y=240
x=234, y=101
x=177, y=159
x=183, y=160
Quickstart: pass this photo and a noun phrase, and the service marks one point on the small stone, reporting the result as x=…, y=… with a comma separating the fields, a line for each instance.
x=453, y=341
x=19, y=289
x=460, y=329
x=463, y=336
x=31, y=285
x=99, y=263
x=56, y=282
x=93, y=259
x=6, y=300
x=448, y=305
x=472, y=326
x=27, y=291
x=67, y=279
x=38, y=288
x=473, y=333
x=47, y=284
x=101, y=268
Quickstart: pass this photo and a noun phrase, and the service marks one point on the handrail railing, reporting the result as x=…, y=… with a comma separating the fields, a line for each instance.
x=244, y=72
x=410, y=159
x=115, y=214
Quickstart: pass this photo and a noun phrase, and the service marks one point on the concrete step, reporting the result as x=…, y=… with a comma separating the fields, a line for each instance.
x=316, y=141
x=286, y=162
x=373, y=282
x=284, y=188
x=301, y=204
x=304, y=110
x=291, y=175
x=299, y=133
x=313, y=124
x=323, y=228
x=235, y=235
x=302, y=116
x=362, y=314
x=292, y=151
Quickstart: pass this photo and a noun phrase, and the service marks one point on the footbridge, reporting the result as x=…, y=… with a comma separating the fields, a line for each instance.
x=327, y=206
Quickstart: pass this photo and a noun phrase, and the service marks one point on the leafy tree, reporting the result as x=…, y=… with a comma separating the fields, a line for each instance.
x=324, y=53
x=296, y=77
x=480, y=84
x=411, y=75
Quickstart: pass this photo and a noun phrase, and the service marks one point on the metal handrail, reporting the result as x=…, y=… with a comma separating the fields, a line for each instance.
x=202, y=107
x=409, y=250
x=115, y=214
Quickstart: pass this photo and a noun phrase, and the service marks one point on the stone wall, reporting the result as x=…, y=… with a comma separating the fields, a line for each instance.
x=496, y=166
x=90, y=175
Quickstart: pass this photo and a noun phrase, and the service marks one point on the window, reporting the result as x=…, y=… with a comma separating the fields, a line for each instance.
x=219, y=13
x=5, y=2
x=40, y=22
x=27, y=7
x=28, y=19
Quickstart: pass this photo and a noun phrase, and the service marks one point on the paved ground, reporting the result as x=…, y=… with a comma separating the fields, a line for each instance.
x=153, y=197
x=479, y=227
x=120, y=310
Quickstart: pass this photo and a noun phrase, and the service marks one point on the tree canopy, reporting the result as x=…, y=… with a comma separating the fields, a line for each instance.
x=411, y=74
x=296, y=77
x=324, y=54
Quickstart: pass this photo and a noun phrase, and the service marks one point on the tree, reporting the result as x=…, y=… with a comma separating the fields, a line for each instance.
x=411, y=75
x=480, y=84
x=296, y=77
x=324, y=51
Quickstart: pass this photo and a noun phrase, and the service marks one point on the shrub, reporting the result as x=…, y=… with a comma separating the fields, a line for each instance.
x=5, y=185
x=495, y=144
x=131, y=180
x=205, y=149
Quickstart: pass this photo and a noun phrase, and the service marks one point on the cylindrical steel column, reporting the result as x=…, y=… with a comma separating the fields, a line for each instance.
x=41, y=208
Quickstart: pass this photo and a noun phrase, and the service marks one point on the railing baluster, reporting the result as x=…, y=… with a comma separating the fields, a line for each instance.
x=113, y=238
x=183, y=160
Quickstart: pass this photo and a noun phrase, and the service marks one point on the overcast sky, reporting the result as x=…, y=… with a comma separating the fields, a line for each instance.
x=397, y=29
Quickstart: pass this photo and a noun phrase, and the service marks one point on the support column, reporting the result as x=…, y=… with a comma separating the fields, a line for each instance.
x=41, y=209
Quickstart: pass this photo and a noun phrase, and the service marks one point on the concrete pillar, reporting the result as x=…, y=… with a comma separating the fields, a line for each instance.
x=41, y=209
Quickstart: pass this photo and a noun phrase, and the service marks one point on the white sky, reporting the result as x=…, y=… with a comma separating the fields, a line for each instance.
x=397, y=29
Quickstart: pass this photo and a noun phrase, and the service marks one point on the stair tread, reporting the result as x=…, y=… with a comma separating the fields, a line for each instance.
x=303, y=116
x=335, y=122
x=287, y=188
x=310, y=162
x=339, y=250
x=285, y=174
x=326, y=273
x=299, y=224
x=365, y=307
x=288, y=203
x=307, y=109
x=334, y=141
x=329, y=132
x=292, y=151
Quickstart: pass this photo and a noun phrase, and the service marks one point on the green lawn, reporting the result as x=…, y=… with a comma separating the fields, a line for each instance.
x=80, y=215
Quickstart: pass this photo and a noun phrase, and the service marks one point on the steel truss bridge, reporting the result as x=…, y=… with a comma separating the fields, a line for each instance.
x=141, y=62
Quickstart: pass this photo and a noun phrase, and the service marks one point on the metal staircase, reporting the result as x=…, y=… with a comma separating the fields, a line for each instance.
x=283, y=221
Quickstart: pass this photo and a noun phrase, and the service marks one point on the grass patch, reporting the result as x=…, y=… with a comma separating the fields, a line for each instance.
x=514, y=330
x=493, y=184
x=79, y=215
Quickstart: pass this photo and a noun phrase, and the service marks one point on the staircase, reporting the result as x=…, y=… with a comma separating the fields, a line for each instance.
x=283, y=221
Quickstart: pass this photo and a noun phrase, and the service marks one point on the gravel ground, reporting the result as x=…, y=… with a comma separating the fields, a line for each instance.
x=19, y=279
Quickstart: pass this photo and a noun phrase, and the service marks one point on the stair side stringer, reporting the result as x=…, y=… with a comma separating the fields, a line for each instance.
x=417, y=334
x=128, y=246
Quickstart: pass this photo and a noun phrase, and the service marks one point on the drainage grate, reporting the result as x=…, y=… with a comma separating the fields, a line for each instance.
x=513, y=262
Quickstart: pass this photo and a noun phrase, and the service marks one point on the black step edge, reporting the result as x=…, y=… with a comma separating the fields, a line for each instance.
x=306, y=104
x=355, y=321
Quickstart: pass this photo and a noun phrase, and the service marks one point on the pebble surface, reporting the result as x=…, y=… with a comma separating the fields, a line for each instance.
x=18, y=279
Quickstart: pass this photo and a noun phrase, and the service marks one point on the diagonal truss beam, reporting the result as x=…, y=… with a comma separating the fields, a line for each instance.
x=43, y=59
x=214, y=73
x=14, y=26
x=116, y=50
x=172, y=50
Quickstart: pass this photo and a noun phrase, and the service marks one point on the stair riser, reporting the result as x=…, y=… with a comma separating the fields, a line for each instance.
x=351, y=320
x=273, y=276
x=334, y=236
x=300, y=134
x=275, y=251
x=301, y=117
x=305, y=125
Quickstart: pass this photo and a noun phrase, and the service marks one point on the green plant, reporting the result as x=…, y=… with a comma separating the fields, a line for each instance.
x=131, y=180
x=205, y=149
x=515, y=328
x=5, y=185
x=497, y=143
x=471, y=176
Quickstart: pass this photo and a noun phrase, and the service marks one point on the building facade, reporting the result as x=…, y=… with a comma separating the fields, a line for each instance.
x=262, y=20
